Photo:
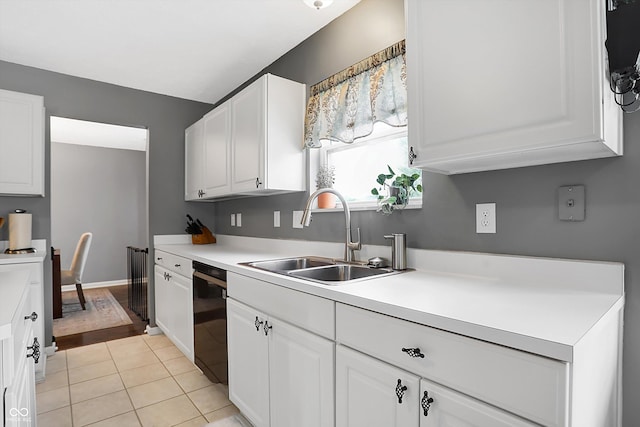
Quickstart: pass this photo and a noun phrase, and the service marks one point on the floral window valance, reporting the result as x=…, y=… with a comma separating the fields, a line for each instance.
x=345, y=106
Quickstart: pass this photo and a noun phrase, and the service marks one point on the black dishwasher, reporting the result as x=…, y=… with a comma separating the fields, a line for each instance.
x=210, y=321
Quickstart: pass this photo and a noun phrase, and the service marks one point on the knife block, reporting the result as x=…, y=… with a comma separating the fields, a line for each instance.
x=203, y=239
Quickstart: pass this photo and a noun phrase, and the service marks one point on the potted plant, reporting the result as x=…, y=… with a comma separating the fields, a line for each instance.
x=325, y=178
x=394, y=190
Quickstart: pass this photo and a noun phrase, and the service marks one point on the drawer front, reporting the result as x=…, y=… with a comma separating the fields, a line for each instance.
x=35, y=270
x=531, y=386
x=305, y=311
x=175, y=263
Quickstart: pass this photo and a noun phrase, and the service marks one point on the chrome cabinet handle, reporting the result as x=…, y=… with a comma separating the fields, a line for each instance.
x=258, y=183
x=266, y=328
x=413, y=352
x=258, y=323
x=400, y=389
x=426, y=402
x=159, y=258
x=36, y=350
x=177, y=265
x=33, y=317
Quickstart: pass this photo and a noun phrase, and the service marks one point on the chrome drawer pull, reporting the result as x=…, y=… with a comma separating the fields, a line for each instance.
x=426, y=402
x=33, y=317
x=400, y=389
x=413, y=352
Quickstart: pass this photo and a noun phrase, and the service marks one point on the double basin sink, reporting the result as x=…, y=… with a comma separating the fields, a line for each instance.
x=321, y=270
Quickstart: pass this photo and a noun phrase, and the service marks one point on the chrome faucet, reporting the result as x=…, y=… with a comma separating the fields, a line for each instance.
x=349, y=246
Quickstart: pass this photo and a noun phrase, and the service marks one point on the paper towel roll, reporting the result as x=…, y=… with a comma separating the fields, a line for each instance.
x=19, y=231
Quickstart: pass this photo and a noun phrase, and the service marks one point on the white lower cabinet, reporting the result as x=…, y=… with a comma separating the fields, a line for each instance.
x=174, y=308
x=448, y=408
x=19, y=349
x=248, y=351
x=280, y=375
x=36, y=305
x=366, y=392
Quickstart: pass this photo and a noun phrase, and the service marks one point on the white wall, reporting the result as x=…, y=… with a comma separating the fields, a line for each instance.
x=101, y=190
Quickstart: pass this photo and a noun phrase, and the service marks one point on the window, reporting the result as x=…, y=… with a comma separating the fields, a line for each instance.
x=357, y=165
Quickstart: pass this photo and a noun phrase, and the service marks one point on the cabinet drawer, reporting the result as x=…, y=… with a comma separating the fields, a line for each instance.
x=175, y=263
x=306, y=311
x=532, y=386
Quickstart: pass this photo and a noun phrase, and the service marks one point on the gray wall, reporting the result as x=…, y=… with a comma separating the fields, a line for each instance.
x=103, y=191
x=166, y=119
x=527, y=221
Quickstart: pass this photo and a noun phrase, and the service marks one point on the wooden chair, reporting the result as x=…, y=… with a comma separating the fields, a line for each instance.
x=73, y=276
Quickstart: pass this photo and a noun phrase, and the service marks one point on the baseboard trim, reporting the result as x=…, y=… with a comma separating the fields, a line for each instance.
x=93, y=285
x=153, y=330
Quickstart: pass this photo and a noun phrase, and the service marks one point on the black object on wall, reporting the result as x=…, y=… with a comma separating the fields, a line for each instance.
x=623, y=46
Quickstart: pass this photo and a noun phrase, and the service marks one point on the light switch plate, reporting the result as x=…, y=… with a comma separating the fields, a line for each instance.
x=276, y=218
x=233, y=220
x=238, y=220
x=571, y=203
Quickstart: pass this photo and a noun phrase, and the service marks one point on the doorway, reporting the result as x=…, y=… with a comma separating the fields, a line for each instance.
x=98, y=186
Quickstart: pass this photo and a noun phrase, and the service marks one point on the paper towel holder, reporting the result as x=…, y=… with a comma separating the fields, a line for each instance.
x=21, y=250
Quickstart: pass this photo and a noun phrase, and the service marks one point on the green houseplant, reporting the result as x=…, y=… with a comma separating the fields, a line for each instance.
x=325, y=178
x=395, y=190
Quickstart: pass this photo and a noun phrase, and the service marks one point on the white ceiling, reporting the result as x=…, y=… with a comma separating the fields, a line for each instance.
x=192, y=49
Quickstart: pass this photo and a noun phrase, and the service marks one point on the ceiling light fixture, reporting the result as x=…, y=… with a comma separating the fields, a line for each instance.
x=318, y=4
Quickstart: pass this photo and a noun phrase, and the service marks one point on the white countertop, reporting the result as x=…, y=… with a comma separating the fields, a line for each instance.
x=39, y=245
x=12, y=285
x=544, y=306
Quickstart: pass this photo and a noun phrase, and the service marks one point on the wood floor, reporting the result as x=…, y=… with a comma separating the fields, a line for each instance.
x=120, y=293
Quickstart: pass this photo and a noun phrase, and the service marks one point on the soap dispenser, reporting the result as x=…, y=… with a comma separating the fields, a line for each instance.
x=398, y=250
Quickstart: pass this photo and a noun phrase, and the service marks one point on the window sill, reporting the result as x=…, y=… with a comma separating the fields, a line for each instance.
x=357, y=208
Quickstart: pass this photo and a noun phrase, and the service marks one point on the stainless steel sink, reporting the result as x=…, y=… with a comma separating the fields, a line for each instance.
x=320, y=270
x=288, y=264
x=340, y=273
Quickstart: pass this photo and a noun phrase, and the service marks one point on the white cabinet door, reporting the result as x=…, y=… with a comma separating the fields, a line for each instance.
x=36, y=305
x=301, y=372
x=174, y=308
x=449, y=408
x=248, y=137
x=194, y=161
x=217, y=157
x=20, y=402
x=181, y=308
x=503, y=83
x=248, y=362
x=21, y=143
x=366, y=392
x=162, y=300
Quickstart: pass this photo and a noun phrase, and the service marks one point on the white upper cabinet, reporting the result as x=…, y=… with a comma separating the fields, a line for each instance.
x=508, y=83
x=250, y=145
x=267, y=128
x=194, y=161
x=207, y=156
x=21, y=144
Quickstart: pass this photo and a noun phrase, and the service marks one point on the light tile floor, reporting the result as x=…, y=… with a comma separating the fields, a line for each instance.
x=136, y=381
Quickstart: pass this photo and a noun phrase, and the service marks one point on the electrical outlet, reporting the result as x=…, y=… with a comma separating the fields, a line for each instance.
x=276, y=218
x=233, y=220
x=238, y=220
x=297, y=219
x=486, y=218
